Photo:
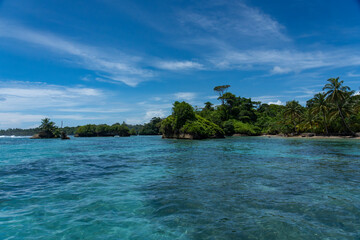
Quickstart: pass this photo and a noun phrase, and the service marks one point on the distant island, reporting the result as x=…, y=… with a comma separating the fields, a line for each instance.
x=92, y=130
x=333, y=112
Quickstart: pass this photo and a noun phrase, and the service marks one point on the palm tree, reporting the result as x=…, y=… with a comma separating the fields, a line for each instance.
x=293, y=110
x=321, y=106
x=338, y=94
x=47, y=125
x=308, y=120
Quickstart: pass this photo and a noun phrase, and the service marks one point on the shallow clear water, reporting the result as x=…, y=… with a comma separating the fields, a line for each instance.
x=150, y=188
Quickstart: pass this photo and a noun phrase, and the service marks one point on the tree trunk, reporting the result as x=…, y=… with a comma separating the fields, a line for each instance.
x=343, y=120
x=325, y=124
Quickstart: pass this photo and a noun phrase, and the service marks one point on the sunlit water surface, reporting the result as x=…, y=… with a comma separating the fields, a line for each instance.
x=150, y=188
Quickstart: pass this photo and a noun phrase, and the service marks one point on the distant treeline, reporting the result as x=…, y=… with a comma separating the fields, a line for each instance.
x=334, y=111
x=151, y=128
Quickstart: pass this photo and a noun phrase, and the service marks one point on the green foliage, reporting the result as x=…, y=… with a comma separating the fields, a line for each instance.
x=292, y=112
x=47, y=125
x=202, y=128
x=199, y=128
x=229, y=128
x=335, y=111
x=168, y=126
x=151, y=128
x=182, y=113
x=121, y=130
x=88, y=130
x=221, y=90
x=103, y=130
x=19, y=132
x=48, y=129
x=244, y=128
x=341, y=97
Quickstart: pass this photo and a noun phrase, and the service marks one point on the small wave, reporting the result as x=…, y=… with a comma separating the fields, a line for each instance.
x=13, y=136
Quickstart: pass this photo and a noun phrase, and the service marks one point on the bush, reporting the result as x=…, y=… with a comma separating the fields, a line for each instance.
x=246, y=128
x=121, y=130
x=182, y=113
x=88, y=130
x=202, y=128
x=168, y=125
x=229, y=128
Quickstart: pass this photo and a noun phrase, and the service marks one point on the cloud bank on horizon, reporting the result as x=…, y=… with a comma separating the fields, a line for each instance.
x=106, y=61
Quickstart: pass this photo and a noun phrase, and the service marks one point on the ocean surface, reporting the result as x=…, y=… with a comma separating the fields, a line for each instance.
x=150, y=188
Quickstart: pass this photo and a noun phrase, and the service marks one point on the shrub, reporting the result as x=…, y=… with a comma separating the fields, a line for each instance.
x=246, y=128
x=88, y=130
x=229, y=128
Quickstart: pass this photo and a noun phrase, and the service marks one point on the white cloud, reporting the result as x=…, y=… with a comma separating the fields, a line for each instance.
x=24, y=96
x=111, y=64
x=233, y=19
x=76, y=117
x=352, y=74
x=278, y=102
x=285, y=60
x=157, y=99
x=179, y=65
x=185, y=96
x=149, y=114
x=11, y=119
x=154, y=113
x=279, y=70
x=94, y=110
x=266, y=98
x=213, y=97
x=25, y=102
x=357, y=93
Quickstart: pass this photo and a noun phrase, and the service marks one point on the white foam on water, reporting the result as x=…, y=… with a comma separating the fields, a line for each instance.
x=13, y=136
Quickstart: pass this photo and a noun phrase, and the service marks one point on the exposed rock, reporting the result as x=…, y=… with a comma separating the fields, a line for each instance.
x=63, y=136
x=240, y=135
x=308, y=135
x=43, y=134
x=188, y=136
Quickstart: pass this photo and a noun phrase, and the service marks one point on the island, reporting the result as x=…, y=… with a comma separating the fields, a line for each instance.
x=335, y=112
x=185, y=124
x=48, y=129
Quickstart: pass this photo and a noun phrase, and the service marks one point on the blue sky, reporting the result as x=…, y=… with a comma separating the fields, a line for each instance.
x=103, y=61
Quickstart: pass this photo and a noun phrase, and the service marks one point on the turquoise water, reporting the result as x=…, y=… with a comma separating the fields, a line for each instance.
x=150, y=188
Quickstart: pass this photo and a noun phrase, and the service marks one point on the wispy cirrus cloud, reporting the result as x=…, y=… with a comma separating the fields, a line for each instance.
x=24, y=104
x=110, y=64
x=285, y=61
x=232, y=20
x=179, y=65
x=11, y=119
x=352, y=74
x=188, y=96
x=22, y=96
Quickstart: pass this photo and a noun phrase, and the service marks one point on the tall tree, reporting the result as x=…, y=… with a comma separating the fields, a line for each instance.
x=338, y=94
x=221, y=90
x=293, y=111
x=47, y=125
x=321, y=106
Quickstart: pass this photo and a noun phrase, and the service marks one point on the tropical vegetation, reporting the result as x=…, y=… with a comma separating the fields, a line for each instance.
x=102, y=130
x=185, y=123
x=335, y=111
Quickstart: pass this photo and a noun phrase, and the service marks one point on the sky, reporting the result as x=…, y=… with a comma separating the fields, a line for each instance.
x=107, y=61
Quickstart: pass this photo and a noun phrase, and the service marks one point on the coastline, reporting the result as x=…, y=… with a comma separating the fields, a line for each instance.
x=311, y=137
